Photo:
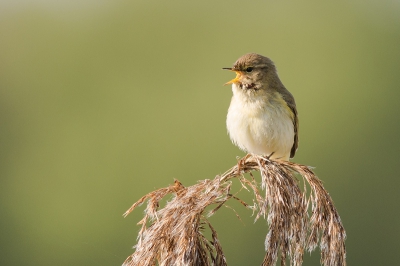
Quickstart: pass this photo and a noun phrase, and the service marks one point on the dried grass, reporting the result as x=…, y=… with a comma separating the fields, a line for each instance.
x=298, y=221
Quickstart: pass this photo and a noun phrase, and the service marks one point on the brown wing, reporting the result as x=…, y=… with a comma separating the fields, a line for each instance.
x=296, y=132
x=292, y=105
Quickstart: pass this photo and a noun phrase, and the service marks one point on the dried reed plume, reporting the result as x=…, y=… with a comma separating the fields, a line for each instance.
x=175, y=233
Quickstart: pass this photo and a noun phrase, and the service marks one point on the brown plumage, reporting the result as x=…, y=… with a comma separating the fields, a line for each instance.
x=262, y=118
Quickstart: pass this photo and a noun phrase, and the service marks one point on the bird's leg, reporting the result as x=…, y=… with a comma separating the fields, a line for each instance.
x=269, y=156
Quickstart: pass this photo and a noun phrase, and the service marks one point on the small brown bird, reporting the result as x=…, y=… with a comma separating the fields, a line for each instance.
x=262, y=117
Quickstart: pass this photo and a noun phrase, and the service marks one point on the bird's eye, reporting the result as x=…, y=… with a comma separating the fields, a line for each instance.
x=249, y=69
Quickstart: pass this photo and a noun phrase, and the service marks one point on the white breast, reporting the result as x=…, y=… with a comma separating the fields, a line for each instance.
x=260, y=124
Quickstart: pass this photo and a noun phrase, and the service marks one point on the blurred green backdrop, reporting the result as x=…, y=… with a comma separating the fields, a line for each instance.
x=104, y=101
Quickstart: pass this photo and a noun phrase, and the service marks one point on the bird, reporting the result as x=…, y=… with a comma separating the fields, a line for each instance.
x=262, y=117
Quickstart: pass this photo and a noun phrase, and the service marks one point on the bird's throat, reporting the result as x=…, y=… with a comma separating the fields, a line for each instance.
x=247, y=86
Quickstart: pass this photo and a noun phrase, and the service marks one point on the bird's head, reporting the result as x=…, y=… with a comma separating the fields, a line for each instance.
x=253, y=72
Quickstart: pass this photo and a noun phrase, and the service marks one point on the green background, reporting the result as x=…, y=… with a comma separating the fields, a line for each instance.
x=104, y=101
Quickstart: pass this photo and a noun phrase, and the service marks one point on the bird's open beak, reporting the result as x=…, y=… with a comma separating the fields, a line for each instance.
x=236, y=79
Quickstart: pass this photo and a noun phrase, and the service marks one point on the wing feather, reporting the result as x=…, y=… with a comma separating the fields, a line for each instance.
x=288, y=97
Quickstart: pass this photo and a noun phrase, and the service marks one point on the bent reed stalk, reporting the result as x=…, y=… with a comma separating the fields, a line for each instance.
x=297, y=220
